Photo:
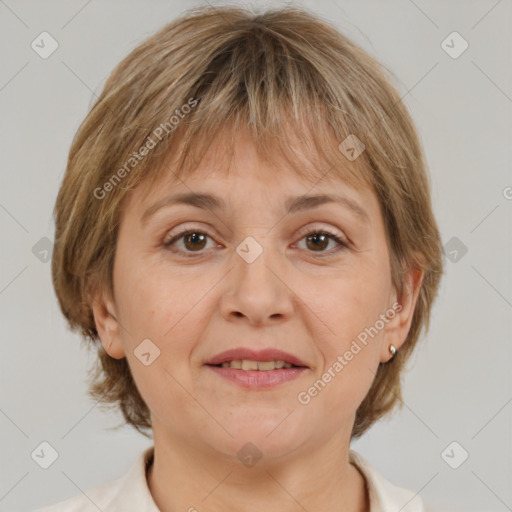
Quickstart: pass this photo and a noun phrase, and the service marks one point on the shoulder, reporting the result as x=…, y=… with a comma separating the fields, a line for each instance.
x=384, y=495
x=92, y=499
x=128, y=493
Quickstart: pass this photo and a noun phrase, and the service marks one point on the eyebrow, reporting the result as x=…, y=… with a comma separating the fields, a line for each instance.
x=293, y=204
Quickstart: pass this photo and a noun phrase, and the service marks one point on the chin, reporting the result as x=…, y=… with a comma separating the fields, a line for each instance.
x=268, y=434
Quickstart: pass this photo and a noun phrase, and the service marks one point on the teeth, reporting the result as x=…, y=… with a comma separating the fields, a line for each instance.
x=268, y=365
x=249, y=365
x=256, y=365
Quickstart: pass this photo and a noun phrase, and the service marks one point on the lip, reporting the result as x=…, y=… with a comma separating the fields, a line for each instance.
x=267, y=354
x=256, y=379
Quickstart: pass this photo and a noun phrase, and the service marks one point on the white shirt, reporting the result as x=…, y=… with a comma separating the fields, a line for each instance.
x=131, y=493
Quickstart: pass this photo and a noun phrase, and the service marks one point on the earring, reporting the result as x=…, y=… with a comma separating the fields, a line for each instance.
x=393, y=350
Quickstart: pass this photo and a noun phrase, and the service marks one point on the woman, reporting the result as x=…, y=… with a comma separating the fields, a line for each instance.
x=245, y=233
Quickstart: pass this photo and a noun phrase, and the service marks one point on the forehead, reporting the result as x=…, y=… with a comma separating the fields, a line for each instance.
x=241, y=167
x=218, y=196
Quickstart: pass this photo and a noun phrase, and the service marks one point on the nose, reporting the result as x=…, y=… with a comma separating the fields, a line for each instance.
x=258, y=292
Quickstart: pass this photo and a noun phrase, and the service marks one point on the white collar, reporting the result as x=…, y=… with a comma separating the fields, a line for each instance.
x=384, y=496
x=131, y=492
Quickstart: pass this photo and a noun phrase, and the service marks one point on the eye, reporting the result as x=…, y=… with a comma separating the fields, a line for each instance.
x=318, y=240
x=193, y=241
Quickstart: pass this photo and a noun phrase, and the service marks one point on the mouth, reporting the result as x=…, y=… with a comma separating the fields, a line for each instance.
x=256, y=369
x=262, y=366
x=248, y=359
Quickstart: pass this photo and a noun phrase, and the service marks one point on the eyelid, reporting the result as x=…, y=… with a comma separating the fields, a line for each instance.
x=169, y=241
x=322, y=229
x=184, y=228
x=341, y=240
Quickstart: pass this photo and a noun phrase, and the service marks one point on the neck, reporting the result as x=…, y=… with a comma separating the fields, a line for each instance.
x=182, y=478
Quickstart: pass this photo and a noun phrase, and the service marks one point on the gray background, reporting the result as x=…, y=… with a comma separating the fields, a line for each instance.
x=459, y=384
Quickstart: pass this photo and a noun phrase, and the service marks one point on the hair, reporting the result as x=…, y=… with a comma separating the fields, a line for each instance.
x=285, y=75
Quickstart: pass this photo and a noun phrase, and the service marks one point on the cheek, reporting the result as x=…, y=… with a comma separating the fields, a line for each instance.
x=155, y=309
x=350, y=348
x=167, y=310
x=349, y=305
x=151, y=301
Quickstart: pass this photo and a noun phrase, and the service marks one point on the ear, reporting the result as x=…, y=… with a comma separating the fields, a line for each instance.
x=398, y=326
x=107, y=325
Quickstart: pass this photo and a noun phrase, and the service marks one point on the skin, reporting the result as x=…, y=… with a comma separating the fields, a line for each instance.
x=291, y=297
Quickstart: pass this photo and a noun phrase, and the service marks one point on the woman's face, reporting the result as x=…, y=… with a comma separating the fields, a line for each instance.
x=250, y=277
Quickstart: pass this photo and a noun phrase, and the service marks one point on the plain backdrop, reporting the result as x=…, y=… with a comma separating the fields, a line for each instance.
x=458, y=386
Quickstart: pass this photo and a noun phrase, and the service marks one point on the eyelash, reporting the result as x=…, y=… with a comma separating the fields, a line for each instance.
x=342, y=243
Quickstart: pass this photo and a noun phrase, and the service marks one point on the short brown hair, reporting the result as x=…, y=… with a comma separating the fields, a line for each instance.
x=280, y=72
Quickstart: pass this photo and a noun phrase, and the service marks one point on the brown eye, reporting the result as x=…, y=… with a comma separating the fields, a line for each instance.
x=317, y=241
x=192, y=241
